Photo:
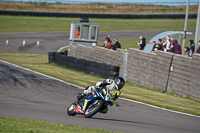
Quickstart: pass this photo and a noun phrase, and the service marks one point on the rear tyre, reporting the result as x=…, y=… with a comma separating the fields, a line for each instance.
x=70, y=110
x=93, y=110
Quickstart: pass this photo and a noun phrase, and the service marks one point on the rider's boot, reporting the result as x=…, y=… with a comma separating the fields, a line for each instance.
x=104, y=111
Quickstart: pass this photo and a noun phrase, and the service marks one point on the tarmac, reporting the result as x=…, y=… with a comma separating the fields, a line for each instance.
x=52, y=41
x=28, y=95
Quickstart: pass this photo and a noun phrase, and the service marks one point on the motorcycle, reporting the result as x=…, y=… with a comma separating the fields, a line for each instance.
x=92, y=103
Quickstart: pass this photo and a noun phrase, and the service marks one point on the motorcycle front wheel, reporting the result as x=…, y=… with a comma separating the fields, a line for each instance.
x=70, y=110
x=92, y=110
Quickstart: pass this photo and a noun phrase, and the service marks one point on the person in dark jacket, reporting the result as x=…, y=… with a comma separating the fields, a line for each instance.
x=116, y=44
x=142, y=42
x=156, y=47
x=198, y=49
x=192, y=48
x=110, y=46
x=175, y=48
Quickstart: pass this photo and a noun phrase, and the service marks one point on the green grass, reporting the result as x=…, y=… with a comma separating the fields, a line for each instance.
x=16, y=125
x=56, y=24
x=130, y=91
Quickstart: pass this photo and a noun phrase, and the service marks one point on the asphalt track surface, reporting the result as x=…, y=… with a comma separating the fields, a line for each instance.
x=25, y=94
x=52, y=41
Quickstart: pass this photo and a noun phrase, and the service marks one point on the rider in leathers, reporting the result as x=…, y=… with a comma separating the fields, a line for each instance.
x=114, y=87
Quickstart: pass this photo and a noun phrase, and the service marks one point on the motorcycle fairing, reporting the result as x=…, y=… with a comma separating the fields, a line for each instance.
x=91, y=97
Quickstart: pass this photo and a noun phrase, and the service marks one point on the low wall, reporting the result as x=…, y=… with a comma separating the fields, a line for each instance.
x=165, y=71
x=98, y=54
x=148, y=69
x=90, y=67
x=179, y=81
x=194, y=90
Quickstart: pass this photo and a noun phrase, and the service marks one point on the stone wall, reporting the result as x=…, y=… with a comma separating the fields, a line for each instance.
x=148, y=69
x=98, y=54
x=194, y=90
x=165, y=71
x=179, y=81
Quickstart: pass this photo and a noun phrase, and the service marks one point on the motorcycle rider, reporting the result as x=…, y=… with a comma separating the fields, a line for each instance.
x=114, y=88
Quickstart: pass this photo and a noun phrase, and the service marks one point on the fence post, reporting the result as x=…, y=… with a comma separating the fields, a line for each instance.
x=170, y=69
x=125, y=65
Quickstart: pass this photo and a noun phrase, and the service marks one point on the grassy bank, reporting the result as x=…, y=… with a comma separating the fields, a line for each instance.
x=53, y=24
x=147, y=95
x=16, y=125
x=97, y=7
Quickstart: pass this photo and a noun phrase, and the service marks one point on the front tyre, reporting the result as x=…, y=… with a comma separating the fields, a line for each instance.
x=92, y=110
x=70, y=110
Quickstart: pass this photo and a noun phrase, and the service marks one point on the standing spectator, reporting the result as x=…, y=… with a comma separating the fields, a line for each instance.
x=192, y=48
x=160, y=43
x=186, y=50
x=105, y=44
x=142, y=42
x=110, y=46
x=175, y=47
x=116, y=44
x=198, y=49
x=166, y=44
x=156, y=47
x=78, y=33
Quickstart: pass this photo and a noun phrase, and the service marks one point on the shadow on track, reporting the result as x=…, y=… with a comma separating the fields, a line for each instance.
x=123, y=121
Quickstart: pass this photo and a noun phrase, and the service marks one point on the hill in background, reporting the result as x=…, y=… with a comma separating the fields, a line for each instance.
x=97, y=8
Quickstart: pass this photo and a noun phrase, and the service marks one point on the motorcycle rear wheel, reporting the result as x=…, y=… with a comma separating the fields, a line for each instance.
x=93, y=110
x=70, y=110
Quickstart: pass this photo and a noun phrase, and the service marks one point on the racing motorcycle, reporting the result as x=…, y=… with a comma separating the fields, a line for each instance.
x=92, y=103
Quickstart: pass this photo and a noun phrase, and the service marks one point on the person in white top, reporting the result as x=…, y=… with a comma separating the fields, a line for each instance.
x=166, y=44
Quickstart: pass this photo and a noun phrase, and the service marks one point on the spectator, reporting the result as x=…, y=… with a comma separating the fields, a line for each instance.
x=192, y=48
x=142, y=42
x=175, y=47
x=198, y=49
x=110, y=46
x=78, y=33
x=166, y=44
x=186, y=50
x=160, y=43
x=105, y=44
x=116, y=44
x=156, y=47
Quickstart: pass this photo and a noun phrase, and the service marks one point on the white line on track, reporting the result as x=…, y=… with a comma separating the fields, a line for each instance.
x=62, y=48
x=83, y=88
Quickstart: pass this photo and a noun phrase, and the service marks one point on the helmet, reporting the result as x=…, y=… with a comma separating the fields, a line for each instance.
x=120, y=82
